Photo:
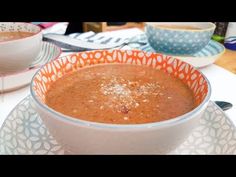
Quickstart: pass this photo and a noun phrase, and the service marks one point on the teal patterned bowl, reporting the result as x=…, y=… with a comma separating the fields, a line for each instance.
x=179, y=40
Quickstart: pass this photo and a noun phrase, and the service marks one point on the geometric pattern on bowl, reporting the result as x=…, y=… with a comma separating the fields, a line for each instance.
x=58, y=68
x=177, y=42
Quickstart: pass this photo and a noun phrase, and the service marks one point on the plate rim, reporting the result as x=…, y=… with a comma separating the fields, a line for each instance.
x=191, y=56
x=190, y=59
x=219, y=53
x=36, y=66
x=29, y=70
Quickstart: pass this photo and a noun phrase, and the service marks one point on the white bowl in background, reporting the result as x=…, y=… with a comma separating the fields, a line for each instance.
x=16, y=55
x=13, y=81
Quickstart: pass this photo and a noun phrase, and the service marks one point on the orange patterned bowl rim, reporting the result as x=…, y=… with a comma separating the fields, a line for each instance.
x=55, y=69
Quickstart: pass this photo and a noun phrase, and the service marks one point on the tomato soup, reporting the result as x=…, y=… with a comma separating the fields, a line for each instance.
x=120, y=94
x=8, y=36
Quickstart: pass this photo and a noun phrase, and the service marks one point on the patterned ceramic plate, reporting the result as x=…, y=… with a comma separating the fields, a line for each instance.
x=23, y=132
x=17, y=80
x=208, y=55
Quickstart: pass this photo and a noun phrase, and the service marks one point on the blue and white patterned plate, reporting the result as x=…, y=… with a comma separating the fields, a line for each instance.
x=208, y=55
x=23, y=132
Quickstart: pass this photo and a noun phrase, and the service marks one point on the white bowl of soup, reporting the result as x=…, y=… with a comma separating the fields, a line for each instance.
x=20, y=43
x=119, y=102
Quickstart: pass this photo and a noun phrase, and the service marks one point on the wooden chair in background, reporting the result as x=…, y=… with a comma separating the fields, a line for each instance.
x=102, y=26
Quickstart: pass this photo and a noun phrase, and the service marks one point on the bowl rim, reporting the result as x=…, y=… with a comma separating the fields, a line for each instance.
x=212, y=27
x=161, y=124
x=23, y=23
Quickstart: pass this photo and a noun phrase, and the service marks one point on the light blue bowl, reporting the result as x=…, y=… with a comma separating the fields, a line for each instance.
x=179, y=41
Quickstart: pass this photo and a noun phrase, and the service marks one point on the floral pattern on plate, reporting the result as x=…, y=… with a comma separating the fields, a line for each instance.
x=23, y=132
x=215, y=134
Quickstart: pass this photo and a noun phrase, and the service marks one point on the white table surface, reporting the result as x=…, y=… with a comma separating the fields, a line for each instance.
x=222, y=81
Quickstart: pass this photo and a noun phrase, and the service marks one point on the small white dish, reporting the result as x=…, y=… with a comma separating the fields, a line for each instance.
x=23, y=132
x=17, y=80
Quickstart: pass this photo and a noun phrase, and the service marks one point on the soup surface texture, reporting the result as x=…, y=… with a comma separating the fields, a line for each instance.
x=7, y=36
x=120, y=94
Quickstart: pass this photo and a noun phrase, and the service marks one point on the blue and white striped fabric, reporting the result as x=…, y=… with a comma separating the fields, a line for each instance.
x=97, y=38
x=110, y=38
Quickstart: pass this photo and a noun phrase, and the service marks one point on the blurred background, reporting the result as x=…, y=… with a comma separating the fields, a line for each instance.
x=225, y=33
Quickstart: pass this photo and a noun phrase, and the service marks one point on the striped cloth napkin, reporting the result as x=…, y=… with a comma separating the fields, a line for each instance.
x=132, y=35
